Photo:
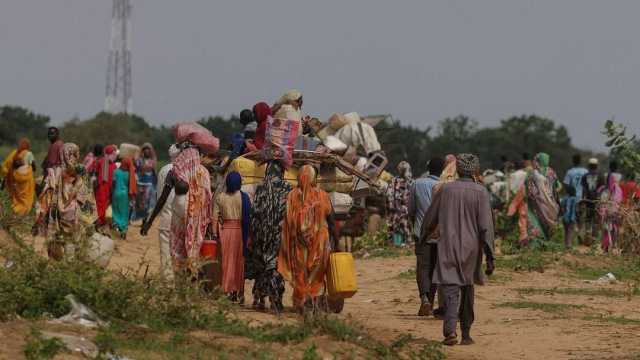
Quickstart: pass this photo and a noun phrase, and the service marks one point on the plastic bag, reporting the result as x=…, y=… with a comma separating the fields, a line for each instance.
x=100, y=249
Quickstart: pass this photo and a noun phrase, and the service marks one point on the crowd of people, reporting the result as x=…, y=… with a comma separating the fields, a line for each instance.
x=284, y=232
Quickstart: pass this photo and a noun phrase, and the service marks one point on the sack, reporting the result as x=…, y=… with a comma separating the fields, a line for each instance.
x=337, y=121
x=306, y=143
x=129, y=151
x=341, y=277
x=342, y=203
x=360, y=135
x=280, y=137
x=184, y=130
x=206, y=143
x=334, y=144
x=100, y=249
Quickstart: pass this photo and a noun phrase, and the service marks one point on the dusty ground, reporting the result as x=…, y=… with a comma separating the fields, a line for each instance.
x=387, y=304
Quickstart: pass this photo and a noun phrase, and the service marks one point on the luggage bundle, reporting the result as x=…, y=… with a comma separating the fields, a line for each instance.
x=197, y=135
x=280, y=137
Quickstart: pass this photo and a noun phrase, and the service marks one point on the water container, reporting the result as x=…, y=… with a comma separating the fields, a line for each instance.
x=341, y=277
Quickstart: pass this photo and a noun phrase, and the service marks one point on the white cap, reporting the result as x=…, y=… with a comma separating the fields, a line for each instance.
x=593, y=161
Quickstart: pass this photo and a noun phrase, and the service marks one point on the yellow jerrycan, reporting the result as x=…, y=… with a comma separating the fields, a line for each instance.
x=341, y=277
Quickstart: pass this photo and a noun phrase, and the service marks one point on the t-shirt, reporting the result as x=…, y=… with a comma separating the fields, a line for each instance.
x=591, y=183
x=574, y=179
x=420, y=200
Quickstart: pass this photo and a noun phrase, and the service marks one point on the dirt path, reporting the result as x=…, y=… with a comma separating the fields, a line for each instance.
x=582, y=325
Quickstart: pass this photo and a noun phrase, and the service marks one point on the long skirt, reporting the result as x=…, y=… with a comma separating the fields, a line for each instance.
x=232, y=257
x=120, y=211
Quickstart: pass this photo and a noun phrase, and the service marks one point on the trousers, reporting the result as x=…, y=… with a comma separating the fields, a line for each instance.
x=457, y=309
x=426, y=259
x=166, y=268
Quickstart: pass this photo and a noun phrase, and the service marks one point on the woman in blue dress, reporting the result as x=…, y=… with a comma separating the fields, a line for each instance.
x=124, y=190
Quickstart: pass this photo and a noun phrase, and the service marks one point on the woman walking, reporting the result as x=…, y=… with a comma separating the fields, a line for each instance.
x=191, y=213
x=105, y=167
x=398, y=195
x=147, y=180
x=609, y=209
x=305, y=249
x=63, y=200
x=231, y=212
x=269, y=207
x=18, y=169
x=537, y=202
x=124, y=190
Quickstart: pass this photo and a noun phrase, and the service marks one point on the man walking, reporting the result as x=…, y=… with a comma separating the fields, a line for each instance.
x=426, y=249
x=462, y=211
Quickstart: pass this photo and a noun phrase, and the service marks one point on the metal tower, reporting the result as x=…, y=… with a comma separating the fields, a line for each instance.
x=118, y=95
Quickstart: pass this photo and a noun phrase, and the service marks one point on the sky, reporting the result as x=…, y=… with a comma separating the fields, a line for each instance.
x=575, y=61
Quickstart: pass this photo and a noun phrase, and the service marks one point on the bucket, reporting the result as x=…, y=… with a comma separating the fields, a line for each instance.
x=209, y=249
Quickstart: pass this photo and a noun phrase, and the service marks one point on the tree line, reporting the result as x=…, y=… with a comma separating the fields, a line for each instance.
x=510, y=139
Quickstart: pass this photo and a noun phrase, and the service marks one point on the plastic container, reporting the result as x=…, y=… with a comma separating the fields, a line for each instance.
x=341, y=277
x=209, y=250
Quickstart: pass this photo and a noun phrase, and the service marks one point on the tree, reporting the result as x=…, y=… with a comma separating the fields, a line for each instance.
x=18, y=122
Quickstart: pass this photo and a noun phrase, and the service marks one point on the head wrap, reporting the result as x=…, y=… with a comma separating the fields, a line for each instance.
x=542, y=162
x=467, y=165
x=110, y=155
x=23, y=144
x=262, y=111
x=307, y=180
x=246, y=116
x=233, y=182
x=70, y=155
x=127, y=165
x=173, y=151
x=404, y=169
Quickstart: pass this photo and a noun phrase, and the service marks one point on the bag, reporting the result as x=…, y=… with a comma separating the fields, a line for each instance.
x=334, y=144
x=206, y=143
x=360, y=135
x=100, y=249
x=337, y=121
x=342, y=203
x=306, y=143
x=341, y=277
x=184, y=130
x=279, y=140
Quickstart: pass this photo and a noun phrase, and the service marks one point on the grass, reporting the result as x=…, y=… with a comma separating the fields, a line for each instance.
x=37, y=347
x=378, y=245
x=624, y=269
x=525, y=261
x=604, y=292
x=409, y=274
x=552, y=308
x=620, y=320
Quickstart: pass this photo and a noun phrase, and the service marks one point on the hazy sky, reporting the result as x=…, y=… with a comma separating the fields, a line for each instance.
x=577, y=61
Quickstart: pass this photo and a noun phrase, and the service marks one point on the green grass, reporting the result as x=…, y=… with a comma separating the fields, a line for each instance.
x=620, y=320
x=604, y=292
x=38, y=348
x=525, y=261
x=409, y=274
x=624, y=269
x=553, y=308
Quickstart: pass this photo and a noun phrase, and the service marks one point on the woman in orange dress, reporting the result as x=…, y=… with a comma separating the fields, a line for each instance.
x=305, y=249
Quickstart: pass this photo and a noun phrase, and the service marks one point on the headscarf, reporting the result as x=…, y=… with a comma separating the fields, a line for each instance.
x=542, y=162
x=467, y=165
x=148, y=164
x=187, y=168
x=262, y=111
x=307, y=179
x=23, y=145
x=237, y=145
x=69, y=156
x=450, y=172
x=127, y=165
x=404, y=169
x=108, y=158
x=234, y=184
x=613, y=184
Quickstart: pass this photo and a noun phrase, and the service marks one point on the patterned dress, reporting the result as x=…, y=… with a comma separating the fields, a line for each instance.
x=269, y=207
x=398, y=195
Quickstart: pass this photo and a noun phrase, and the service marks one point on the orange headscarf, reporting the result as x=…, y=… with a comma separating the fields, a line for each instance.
x=127, y=165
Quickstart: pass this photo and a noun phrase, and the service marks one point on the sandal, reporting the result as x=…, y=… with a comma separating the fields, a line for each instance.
x=467, y=341
x=450, y=340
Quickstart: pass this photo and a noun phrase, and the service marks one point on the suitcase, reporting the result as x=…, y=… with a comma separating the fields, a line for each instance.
x=341, y=277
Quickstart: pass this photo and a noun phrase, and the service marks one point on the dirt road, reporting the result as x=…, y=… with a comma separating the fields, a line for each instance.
x=528, y=315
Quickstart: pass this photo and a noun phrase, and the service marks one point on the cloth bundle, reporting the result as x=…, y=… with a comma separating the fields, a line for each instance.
x=197, y=135
x=280, y=137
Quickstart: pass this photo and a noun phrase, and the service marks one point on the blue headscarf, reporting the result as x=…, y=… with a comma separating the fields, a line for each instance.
x=234, y=183
x=237, y=145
